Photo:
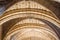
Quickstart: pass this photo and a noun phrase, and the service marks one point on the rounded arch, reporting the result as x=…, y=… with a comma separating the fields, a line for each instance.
x=48, y=4
x=30, y=13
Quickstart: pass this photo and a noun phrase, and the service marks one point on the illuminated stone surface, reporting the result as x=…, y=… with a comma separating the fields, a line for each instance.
x=29, y=20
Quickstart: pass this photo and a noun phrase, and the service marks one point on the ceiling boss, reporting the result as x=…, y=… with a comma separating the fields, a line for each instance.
x=29, y=20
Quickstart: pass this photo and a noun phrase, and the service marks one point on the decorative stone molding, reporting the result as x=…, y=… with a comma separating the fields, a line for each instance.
x=29, y=22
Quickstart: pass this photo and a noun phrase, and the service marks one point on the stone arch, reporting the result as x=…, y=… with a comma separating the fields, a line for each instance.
x=12, y=16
